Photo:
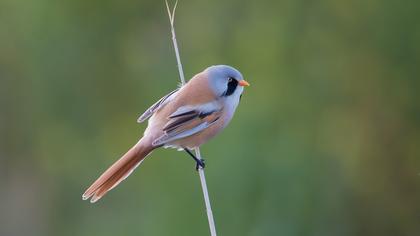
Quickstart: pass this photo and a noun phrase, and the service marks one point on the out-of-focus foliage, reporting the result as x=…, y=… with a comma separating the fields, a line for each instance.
x=326, y=141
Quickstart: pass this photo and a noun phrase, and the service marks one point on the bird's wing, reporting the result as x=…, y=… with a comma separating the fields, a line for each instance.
x=189, y=120
x=162, y=102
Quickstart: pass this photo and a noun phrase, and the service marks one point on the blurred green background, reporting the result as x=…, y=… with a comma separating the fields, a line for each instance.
x=326, y=141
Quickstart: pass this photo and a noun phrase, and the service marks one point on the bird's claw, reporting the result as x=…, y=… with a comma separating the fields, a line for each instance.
x=200, y=164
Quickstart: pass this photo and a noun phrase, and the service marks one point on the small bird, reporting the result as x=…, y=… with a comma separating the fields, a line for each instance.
x=184, y=119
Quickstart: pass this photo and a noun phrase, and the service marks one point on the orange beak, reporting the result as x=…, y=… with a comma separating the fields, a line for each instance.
x=243, y=83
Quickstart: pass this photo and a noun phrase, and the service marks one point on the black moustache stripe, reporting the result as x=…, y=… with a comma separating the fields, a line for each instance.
x=231, y=87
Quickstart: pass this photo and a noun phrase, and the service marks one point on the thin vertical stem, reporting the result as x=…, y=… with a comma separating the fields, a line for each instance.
x=206, y=195
x=175, y=43
x=197, y=150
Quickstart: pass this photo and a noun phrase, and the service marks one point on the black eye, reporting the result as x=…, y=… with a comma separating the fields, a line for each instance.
x=230, y=79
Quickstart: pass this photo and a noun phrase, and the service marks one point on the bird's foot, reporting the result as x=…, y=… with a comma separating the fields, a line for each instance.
x=200, y=163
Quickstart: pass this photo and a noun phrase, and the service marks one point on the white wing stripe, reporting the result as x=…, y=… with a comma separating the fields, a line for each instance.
x=149, y=112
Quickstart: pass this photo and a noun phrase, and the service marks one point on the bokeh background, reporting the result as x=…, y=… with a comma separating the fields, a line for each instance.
x=326, y=141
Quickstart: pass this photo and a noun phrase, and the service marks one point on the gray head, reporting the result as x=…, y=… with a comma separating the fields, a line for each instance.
x=226, y=81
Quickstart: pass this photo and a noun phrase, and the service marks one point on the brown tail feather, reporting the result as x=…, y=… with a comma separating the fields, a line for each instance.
x=118, y=171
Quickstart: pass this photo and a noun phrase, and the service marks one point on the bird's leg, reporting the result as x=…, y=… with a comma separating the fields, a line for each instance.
x=199, y=162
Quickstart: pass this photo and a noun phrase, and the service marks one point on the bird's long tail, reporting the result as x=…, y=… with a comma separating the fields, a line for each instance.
x=119, y=171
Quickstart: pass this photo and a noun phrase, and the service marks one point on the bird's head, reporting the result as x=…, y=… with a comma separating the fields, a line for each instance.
x=226, y=81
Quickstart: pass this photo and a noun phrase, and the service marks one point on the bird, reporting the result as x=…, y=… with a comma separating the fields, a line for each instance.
x=184, y=119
